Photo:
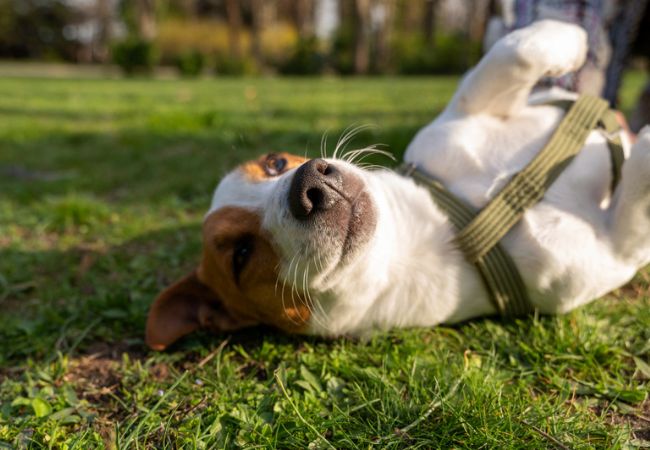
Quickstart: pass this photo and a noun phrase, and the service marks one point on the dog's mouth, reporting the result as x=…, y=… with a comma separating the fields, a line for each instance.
x=361, y=222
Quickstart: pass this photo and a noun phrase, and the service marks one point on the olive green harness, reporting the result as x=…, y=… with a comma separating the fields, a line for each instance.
x=479, y=232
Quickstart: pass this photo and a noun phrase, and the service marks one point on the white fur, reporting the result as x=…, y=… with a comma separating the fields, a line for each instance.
x=574, y=246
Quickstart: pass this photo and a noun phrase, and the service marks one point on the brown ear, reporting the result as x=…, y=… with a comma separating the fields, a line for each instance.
x=182, y=308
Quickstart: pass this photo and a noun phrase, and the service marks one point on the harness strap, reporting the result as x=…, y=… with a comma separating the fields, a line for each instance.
x=498, y=271
x=613, y=134
x=527, y=187
x=479, y=233
x=612, y=130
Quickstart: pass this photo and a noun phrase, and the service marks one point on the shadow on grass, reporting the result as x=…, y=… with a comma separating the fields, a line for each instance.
x=89, y=300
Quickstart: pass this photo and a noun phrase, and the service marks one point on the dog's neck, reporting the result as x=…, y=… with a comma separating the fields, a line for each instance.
x=411, y=273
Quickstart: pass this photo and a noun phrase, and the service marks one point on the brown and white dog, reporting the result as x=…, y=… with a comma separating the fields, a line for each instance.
x=324, y=247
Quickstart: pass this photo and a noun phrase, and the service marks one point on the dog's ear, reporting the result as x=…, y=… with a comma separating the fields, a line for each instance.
x=184, y=307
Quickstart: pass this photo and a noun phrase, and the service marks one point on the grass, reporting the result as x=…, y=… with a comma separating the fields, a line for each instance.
x=103, y=184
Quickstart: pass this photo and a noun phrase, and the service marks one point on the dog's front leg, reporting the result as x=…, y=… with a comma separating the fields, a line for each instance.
x=631, y=208
x=501, y=83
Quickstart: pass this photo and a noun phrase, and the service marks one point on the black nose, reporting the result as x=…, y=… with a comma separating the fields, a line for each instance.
x=314, y=188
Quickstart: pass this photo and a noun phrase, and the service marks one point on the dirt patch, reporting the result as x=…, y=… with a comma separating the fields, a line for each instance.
x=97, y=377
x=640, y=423
x=638, y=419
x=114, y=350
x=94, y=377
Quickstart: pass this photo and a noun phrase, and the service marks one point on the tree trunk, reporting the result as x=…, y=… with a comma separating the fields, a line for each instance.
x=146, y=19
x=361, y=44
x=257, y=25
x=234, y=28
x=304, y=17
x=478, y=16
x=411, y=15
x=383, y=36
x=428, y=25
x=105, y=20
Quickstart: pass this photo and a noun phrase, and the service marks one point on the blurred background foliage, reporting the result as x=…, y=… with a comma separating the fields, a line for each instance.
x=234, y=37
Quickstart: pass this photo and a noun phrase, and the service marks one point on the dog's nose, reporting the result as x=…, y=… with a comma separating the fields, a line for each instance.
x=315, y=187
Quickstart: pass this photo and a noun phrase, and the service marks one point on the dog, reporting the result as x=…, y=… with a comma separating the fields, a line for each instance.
x=323, y=247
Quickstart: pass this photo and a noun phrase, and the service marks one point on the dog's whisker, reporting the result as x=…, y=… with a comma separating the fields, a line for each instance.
x=317, y=305
x=295, y=289
x=371, y=167
x=353, y=157
x=277, y=279
x=294, y=286
x=285, y=280
x=323, y=144
x=357, y=156
x=305, y=287
x=322, y=322
x=343, y=143
x=311, y=304
x=340, y=140
x=347, y=136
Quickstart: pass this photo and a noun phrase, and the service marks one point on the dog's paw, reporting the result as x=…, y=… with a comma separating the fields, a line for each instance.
x=554, y=48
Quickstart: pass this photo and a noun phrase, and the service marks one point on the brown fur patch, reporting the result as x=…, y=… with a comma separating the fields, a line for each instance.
x=257, y=297
x=260, y=169
x=182, y=308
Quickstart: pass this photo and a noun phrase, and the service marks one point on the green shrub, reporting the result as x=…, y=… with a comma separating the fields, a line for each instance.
x=342, y=54
x=451, y=54
x=135, y=55
x=226, y=65
x=190, y=64
x=306, y=59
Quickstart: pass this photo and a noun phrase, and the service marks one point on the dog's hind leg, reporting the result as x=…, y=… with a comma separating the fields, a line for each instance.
x=501, y=83
x=630, y=219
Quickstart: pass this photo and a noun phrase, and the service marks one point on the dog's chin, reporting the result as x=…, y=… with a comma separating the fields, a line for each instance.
x=330, y=247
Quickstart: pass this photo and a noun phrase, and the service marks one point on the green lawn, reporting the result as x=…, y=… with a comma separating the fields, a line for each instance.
x=103, y=185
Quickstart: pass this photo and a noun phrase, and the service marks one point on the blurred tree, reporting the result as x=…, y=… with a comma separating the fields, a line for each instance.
x=104, y=13
x=259, y=14
x=429, y=19
x=146, y=19
x=361, y=14
x=137, y=52
x=303, y=16
x=383, y=35
x=477, y=19
x=364, y=36
x=233, y=13
x=411, y=15
x=139, y=16
x=38, y=29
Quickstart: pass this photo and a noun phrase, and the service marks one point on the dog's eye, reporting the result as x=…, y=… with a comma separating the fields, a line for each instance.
x=240, y=255
x=274, y=165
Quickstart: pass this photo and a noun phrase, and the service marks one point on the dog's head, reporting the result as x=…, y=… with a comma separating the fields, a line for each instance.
x=279, y=228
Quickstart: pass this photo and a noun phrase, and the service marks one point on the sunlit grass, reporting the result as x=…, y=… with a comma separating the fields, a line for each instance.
x=103, y=185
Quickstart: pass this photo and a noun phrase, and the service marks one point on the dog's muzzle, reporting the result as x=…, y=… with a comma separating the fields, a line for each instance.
x=315, y=189
x=331, y=201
